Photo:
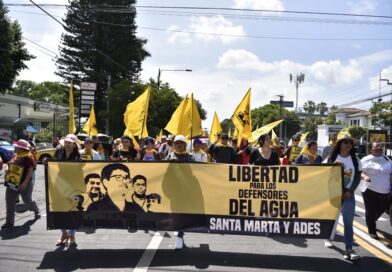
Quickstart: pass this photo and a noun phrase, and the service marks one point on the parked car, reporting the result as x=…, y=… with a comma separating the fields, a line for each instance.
x=44, y=154
x=6, y=151
x=43, y=145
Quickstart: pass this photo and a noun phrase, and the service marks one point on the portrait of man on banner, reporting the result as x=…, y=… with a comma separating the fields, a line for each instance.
x=137, y=194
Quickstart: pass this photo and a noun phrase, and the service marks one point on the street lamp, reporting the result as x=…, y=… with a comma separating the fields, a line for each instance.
x=169, y=70
x=297, y=80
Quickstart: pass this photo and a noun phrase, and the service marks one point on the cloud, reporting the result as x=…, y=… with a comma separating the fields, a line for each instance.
x=330, y=72
x=334, y=72
x=259, y=4
x=212, y=25
x=363, y=6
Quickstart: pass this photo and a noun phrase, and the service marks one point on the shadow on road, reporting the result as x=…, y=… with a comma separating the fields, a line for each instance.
x=17, y=231
x=200, y=258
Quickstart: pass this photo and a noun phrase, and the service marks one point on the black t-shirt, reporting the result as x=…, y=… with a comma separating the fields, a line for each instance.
x=257, y=159
x=129, y=155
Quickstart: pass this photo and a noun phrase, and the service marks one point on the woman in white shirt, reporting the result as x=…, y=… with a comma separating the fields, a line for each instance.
x=376, y=173
x=344, y=154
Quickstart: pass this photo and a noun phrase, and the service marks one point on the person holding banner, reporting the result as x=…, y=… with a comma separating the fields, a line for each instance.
x=18, y=179
x=344, y=154
x=180, y=155
x=197, y=152
x=264, y=154
x=309, y=154
x=223, y=153
x=69, y=152
x=127, y=152
x=88, y=153
x=293, y=150
x=376, y=173
x=148, y=153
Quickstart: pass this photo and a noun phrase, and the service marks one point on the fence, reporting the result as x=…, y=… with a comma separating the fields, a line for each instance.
x=47, y=129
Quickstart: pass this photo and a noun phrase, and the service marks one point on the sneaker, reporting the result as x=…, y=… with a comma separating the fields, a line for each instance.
x=7, y=226
x=37, y=216
x=350, y=255
x=328, y=243
x=374, y=235
x=179, y=243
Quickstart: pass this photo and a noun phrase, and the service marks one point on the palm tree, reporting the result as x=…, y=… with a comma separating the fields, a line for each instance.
x=309, y=107
x=322, y=108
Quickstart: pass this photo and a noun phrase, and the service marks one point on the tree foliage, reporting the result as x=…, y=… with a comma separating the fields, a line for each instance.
x=357, y=132
x=13, y=55
x=381, y=113
x=47, y=91
x=310, y=125
x=269, y=113
x=322, y=108
x=310, y=107
x=91, y=37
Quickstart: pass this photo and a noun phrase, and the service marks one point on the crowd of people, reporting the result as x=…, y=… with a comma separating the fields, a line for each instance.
x=375, y=169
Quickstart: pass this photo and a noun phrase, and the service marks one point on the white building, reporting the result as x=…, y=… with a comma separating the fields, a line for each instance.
x=19, y=115
x=353, y=116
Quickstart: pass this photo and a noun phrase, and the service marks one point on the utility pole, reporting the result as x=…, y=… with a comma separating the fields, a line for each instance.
x=297, y=80
x=280, y=114
x=108, y=106
x=169, y=70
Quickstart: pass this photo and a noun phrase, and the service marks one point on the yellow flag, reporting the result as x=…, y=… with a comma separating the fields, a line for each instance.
x=128, y=133
x=89, y=126
x=159, y=137
x=242, y=117
x=191, y=123
x=135, y=116
x=303, y=138
x=274, y=136
x=71, y=122
x=216, y=129
x=230, y=134
x=175, y=121
x=263, y=130
x=235, y=134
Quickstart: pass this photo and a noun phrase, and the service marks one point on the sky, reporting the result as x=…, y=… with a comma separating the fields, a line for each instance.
x=342, y=57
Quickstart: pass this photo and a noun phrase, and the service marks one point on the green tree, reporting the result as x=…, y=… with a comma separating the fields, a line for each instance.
x=227, y=125
x=357, y=132
x=322, y=108
x=13, y=55
x=382, y=113
x=309, y=107
x=269, y=113
x=310, y=125
x=97, y=44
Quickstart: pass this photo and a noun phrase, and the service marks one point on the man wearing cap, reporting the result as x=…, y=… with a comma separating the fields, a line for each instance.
x=23, y=159
x=180, y=155
x=166, y=147
x=127, y=152
x=148, y=152
x=223, y=153
x=88, y=153
x=197, y=152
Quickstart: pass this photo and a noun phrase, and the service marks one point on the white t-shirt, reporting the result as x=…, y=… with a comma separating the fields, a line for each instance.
x=379, y=170
x=349, y=170
x=200, y=156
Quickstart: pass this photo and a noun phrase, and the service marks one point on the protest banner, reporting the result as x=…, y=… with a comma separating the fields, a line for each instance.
x=217, y=198
x=13, y=176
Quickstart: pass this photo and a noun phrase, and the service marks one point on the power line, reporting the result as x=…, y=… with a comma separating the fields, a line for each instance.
x=39, y=45
x=122, y=7
x=364, y=100
x=89, y=44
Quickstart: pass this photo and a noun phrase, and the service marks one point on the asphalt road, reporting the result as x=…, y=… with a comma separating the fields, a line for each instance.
x=30, y=247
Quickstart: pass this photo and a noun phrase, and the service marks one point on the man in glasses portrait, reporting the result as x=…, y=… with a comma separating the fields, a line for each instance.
x=115, y=178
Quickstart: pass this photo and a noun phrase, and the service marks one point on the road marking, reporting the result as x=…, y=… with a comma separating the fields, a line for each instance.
x=151, y=249
x=375, y=247
x=365, y=230
x=359, y=198
x=359, y=209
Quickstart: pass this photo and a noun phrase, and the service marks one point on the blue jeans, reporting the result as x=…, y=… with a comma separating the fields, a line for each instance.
x=348, y=212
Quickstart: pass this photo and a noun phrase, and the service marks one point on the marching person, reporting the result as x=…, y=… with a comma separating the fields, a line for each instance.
x=197, y=152
x=292, y=151
x=166, y=147
x=344, y=154
x=264, y=154
x=327, y=151
x=148, y=153
x=69, y=152
x=180, y=155
x=376, y=173
x=309, y=154
x=222, y=152
x=88, y=153
x=23, y=159
x=127, y=152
